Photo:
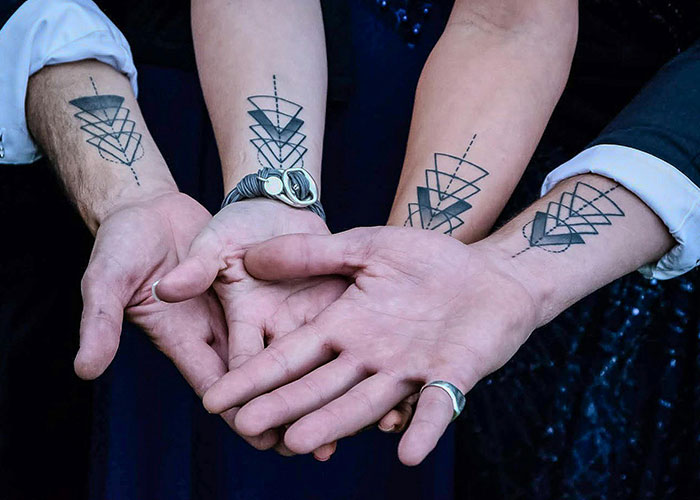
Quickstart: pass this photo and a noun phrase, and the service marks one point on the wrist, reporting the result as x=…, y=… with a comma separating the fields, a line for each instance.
x=539, y=286
x=95, y=209
x=287, y=219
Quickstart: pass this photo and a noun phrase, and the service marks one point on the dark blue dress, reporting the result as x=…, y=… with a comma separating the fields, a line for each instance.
x=152, y=438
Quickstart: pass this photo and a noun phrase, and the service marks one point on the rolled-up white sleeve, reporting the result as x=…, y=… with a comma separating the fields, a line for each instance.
x=42, y=33
x=665, y=189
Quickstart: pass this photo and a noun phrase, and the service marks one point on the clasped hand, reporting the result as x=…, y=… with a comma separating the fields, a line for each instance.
x=313, y=336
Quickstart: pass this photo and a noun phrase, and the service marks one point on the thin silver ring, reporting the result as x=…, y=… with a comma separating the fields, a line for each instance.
x=457, y=397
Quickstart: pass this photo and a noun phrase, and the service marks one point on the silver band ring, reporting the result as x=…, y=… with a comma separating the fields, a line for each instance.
x=458, y=399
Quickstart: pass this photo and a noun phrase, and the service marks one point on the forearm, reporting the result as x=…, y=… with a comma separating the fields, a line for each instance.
x=262, y=63
x=86, y=119
x=588, y=231
x=483, y=100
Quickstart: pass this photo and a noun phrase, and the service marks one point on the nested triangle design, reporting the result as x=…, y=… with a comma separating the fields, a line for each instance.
x=442, y=201
x=576, y=214
x=278, y=140
x=110, y=130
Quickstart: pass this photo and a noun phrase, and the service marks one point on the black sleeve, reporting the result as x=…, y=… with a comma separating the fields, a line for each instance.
x=664, y=119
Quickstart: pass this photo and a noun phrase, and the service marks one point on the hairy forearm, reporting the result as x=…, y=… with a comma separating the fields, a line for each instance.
x=483, y=100
x=86, y=119
x=585, y=233
x=262, y=63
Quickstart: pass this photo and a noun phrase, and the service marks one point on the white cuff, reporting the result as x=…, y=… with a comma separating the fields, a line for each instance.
x=45, y=32
x=665, y=189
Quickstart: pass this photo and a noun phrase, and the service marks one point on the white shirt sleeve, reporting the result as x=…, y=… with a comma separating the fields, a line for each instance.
x=665, y=189
x=42, y=33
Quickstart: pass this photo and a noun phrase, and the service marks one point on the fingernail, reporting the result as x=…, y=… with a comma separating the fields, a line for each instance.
x=153, y=292
x=391, y=428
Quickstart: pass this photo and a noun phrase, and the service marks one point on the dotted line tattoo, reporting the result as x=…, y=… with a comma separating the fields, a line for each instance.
x=576, y=214
x=278, y=141
x=428, y=211
x=110, y=131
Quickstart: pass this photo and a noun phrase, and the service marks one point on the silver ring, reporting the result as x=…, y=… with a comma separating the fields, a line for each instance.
x=458, y=399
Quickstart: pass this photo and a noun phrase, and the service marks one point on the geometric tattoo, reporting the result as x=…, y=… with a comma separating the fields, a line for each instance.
x=277, y=123
x=443, y=199
x=577, y=214
x=111, y=131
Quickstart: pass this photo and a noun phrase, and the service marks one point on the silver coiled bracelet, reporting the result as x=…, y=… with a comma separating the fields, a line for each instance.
x=294, y=187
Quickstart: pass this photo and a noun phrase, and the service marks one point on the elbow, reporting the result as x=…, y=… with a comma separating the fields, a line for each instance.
x=528, y=22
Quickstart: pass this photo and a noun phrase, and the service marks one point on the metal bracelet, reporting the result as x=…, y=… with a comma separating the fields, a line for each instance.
x=294, y=187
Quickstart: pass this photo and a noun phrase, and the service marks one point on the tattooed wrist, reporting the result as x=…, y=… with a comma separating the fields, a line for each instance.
x=109, y=129
x=441, y=203
x=576, y=216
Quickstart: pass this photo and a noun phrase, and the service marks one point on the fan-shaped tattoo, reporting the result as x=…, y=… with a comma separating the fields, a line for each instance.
x=576, y=214
x=106, y=121
x=442, y=201
x=278, y=141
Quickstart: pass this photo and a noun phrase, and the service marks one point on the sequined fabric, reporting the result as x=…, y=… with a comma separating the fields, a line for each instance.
x=602, y=403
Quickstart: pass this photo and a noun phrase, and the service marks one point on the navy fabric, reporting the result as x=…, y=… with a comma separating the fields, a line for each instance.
x=663, y=119
x=151, y=436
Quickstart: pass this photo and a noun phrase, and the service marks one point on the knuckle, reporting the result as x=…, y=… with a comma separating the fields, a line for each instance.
x=362, y=399
x=279, y=358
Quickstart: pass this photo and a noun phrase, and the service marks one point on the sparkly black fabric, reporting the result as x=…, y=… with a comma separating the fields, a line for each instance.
x=602, y=402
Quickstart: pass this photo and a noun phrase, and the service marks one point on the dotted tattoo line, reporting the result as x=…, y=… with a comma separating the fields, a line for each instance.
x=454, y=174
x=573, y=212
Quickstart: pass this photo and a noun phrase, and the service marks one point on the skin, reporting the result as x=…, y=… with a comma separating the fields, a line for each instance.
x=422, y=307
x=505, y=40
x=257, y=312
x=152, y=221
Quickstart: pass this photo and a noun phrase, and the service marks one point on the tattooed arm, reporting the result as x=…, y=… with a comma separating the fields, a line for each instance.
x=483, y=100
x=263, y=71
x=424, y=307
x=85, y=117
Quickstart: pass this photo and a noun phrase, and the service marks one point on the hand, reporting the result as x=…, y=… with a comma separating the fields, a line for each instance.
x=256, y=311
x=136, y=245
x=422, y=307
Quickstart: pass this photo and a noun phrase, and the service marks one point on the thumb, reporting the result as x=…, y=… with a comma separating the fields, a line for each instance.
x=195, y=274
x=304, y=255
x=101, y=323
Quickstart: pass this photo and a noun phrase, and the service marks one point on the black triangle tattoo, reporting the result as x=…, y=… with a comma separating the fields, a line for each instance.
x=442, y=201
x=575, y=214
x=278, y=140
x=110, y=131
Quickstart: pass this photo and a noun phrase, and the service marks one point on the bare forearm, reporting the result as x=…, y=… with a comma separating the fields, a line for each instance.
x=483, y=100
x=585, y=233
x=262, y=63
x=86, y=119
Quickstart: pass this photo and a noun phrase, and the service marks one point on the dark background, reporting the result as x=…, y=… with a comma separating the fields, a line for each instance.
x=602, y=403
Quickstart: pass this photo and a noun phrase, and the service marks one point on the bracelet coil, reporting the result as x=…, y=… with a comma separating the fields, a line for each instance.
x=294, y=187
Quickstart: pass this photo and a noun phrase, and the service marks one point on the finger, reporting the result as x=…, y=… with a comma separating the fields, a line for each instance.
x=433, y=415
x=198, y=362
x=302, y=396
x=324, y=453
x=305, y=255
x=282, y=449
x=265, y=441
x=305, y=304
x=201, y=366
x=364, y=404
x=397, y=419
x=282, y=361
x=245, y=341
x=105, y=295
x=195, y=273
